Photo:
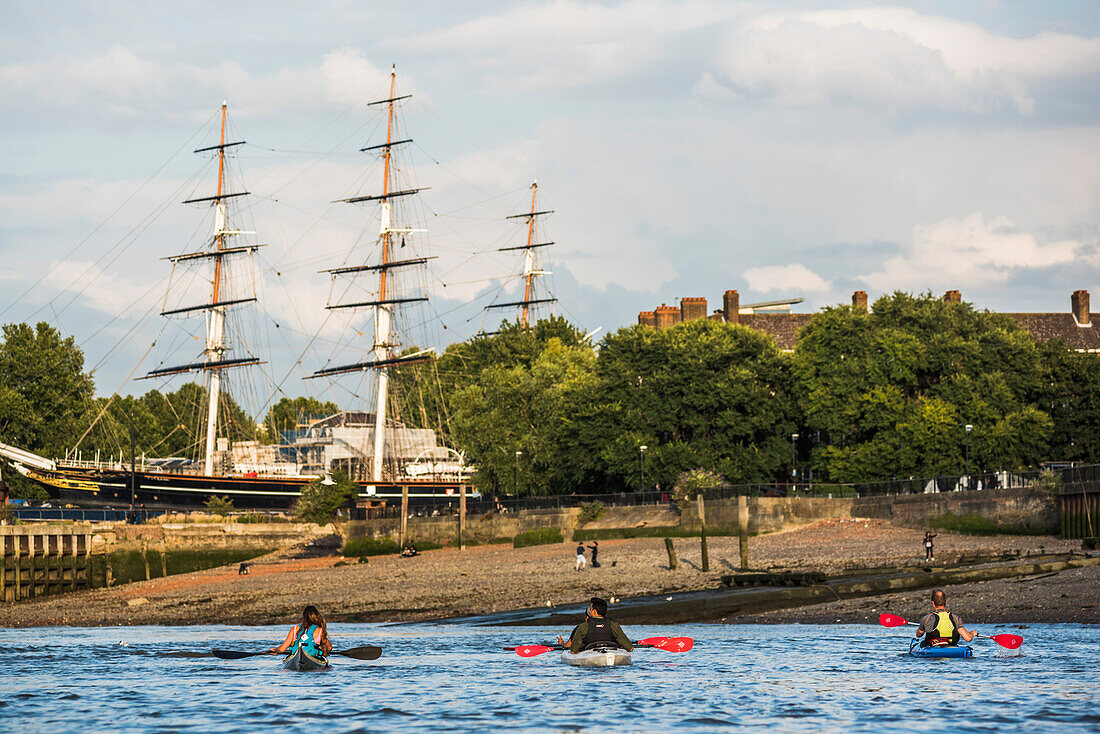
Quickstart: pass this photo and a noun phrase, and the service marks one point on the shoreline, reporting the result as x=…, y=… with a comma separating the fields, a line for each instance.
x=442, y=585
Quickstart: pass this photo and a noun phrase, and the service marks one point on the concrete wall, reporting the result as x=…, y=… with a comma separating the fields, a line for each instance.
x=199, y=536
x=1019, y=507
x=1012, y=507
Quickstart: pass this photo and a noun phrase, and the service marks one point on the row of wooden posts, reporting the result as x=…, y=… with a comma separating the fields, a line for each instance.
x=742, y=536
x=52, y=561
x=461, y=515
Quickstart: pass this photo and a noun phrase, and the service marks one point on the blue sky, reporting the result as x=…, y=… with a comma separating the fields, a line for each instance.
x=782, y=149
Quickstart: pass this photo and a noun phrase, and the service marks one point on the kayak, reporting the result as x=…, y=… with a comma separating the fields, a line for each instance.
x=302, y=660
x=939, y=652
x=600, y=657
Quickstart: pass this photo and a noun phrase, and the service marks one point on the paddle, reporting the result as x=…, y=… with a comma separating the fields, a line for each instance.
x=1009, y=641
x=669, y=644
x=368, y=652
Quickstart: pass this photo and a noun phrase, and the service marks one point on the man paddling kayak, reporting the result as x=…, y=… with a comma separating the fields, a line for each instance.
x=311, y=633
x=942, y=628
x=596, y=629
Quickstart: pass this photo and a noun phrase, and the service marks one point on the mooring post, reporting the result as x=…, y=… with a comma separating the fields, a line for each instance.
x=404, y=514
x=108, y=573
x=145, y=559
x=743, y=529
x=671, y=554
x=18, y=542
x=705, y=565
x=3, y=568
x=163, y=558
x=462, y=517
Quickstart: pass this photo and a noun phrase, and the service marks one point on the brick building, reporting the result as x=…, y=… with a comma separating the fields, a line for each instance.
x=1074, y=327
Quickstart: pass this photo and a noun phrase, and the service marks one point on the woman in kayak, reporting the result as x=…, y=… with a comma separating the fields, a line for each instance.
x=312, y=632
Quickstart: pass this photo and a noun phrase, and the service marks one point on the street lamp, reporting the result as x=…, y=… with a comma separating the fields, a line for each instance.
x=969, y=428
x=641, y=463
x=515, y=478
x=794, y=465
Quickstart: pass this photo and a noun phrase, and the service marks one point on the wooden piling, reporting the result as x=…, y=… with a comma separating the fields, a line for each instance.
x=462, y=517
x=163, y=558
x=743, y=530
x=145, y=560
x=404, y=515
x=705, y=564
x=18, y=540
x=3, y=568
x=671, y=554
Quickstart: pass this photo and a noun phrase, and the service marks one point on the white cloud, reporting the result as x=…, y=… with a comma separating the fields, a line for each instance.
x=11, y=275
x=564, y=43
x=104, y=291
x=968, y=250
x=119, y=83
x=897, y=58
x=794, y=277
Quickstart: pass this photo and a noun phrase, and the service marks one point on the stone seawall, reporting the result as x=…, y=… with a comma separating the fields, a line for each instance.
x=1014, y=508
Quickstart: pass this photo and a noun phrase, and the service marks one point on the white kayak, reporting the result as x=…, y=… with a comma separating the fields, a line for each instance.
x=603, y=657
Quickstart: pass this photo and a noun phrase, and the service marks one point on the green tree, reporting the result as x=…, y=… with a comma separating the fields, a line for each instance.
x=889, y=393
x=319, y=502
x=289, y=413
x=1071, y=396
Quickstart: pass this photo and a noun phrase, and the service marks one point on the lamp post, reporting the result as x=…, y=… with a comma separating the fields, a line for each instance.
x=794, y=464
x=515, y=477
x=641, y=463
x=969, y=428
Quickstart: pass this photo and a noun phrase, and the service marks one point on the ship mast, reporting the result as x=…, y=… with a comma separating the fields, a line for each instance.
x=383, y=349
x=217, y=345
x=531, y=269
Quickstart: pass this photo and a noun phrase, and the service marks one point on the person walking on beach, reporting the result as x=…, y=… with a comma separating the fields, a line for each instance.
x=928, y=535
x=311, y=633
x=581, y=560
x=596, y=630
x=595, y=548
x=942, y=628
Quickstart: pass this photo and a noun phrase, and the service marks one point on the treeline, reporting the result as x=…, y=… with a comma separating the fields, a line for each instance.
x=870, y=396
x=542, y=410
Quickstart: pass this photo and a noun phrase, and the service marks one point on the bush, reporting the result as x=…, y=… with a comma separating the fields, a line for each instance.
x=591, y=512
x=695, y=482
x=319, y=502
x=219, y=505
x=538, y=536
x=1049, y=482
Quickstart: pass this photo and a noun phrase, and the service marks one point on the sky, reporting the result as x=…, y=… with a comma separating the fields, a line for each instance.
x=782, y=149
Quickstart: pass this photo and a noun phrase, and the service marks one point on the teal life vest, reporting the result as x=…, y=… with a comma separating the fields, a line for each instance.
x=305, y=641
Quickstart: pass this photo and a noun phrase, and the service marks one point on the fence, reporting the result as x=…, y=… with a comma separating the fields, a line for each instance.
x=34, y=564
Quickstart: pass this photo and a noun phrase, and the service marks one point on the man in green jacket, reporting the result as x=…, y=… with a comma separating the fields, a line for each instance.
x=596, y=630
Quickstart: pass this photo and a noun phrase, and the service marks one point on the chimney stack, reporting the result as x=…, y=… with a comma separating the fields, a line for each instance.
x=667, y=316
x=953, y=297
x=647, y=318
x=731, y=306
x=859, y=301
x=693, y=308
x=1080, y=303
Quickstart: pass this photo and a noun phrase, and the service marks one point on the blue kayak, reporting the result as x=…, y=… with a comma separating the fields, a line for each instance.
x=939, y=652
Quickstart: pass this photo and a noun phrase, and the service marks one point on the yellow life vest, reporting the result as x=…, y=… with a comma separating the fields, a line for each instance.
x=943, y=633
x=945, y=627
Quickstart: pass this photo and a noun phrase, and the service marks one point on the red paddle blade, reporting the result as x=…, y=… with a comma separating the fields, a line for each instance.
x=652, y=641
x=891, y=620
x=530, y=651
x=677, y=644
x=1010, y=641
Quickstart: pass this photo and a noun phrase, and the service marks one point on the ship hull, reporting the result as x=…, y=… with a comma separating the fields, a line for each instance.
x=164, y=491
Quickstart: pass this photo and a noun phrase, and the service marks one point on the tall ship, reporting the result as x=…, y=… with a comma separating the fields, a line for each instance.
x=386, y=458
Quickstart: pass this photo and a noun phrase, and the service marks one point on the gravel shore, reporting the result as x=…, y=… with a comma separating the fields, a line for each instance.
x=448, y=582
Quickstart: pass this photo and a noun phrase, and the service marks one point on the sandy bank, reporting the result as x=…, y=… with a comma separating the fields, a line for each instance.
x=482, y=579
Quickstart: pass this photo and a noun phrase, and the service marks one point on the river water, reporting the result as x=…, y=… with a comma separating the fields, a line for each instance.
x=458, y=679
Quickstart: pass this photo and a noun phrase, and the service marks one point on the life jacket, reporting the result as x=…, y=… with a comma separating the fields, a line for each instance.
x=305, y=641
x=599, y=633
x=944, y=634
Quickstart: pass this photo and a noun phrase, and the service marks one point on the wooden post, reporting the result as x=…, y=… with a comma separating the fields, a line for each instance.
x=671, y=554
x=462, y=517
x=743, y=530
x=145, y=560
x=108, y=574
x=163, y=558
x=59, y=583
x=3, y=568
x=404, y=515
x=76, y=560
x=32, y=546
x=18, y=541
x=705, y=565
